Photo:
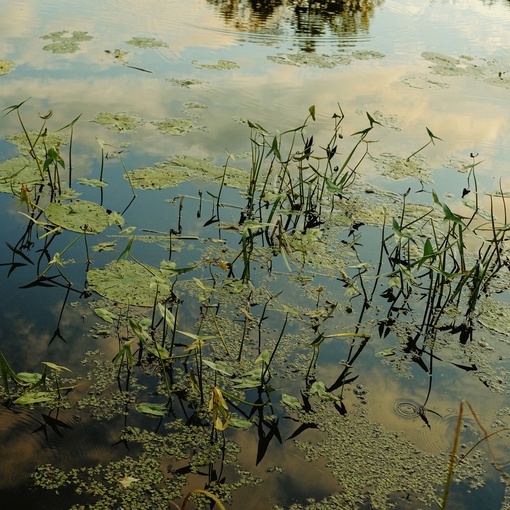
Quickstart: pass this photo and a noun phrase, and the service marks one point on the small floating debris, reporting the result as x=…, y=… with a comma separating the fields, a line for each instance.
x=6, y=66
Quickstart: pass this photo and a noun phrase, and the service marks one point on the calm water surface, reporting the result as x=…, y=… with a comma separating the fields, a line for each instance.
x=386, y=58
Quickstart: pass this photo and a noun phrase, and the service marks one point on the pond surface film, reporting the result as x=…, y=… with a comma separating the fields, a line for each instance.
x=254, y=254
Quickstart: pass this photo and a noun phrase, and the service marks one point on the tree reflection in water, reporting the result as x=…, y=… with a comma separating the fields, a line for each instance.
x=309, y=21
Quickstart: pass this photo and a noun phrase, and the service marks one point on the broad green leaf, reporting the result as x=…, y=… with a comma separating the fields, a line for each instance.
x=291, y=401
x=168, y=316
x=152, y=409
x=78, y=216
x=30, y=378
x=220, y=366
x=159, y=351
x=264, y=356
x=106, y=315
x=390, y=351
x=33, y=398
x=95, y=183
x=239, y=423
x=57, y=368
x=109, y=246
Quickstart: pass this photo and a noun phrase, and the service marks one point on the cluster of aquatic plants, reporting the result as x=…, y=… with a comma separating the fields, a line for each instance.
x=222, y=344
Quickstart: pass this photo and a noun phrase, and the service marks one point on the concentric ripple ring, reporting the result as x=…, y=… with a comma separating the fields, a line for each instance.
x=408, y=408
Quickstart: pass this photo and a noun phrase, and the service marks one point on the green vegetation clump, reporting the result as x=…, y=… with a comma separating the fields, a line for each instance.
x=64, y=42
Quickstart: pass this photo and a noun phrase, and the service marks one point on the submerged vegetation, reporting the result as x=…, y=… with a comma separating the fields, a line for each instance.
x=222, y=333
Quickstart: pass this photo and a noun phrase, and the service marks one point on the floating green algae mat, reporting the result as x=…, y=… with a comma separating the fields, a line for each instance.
x=186, y=83
x=78, y=216
x=132, y=283
x=168, y=174
x=118, y=121
x=64, y=42
x=176, y=127
x=221, y=65
x=305, y=59
x=147, y=42
x=6, y=66
x=160, y=176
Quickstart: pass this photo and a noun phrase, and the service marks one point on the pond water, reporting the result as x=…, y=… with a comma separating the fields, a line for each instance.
x=286, y=220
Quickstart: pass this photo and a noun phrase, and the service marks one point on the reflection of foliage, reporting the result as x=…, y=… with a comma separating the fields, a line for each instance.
x=307, y=18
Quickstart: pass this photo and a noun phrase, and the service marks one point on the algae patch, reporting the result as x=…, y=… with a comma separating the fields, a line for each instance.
x=160, y=176
x=186, y=83
x=395, y=167
x=419, y=82
x=147, y=42
x=118, y=121
x=373, y=465
x=177, y=126
x=6, y=66
x=65, y=42
x=489, y=71
x=304, y=59
x=221, y=65
x=131, y=283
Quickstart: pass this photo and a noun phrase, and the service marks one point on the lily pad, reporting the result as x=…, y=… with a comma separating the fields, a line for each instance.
x=78, y=216
x=6, y=66
x=17, y=171
x=64, y=42
x=118, y=121
x=221, y=65
x=147, y=42
x=129, y=283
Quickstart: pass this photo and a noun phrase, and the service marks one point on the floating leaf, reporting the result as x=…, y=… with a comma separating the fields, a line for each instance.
x=95, y=183
x=33, y=398
x=104, y=246
x=30, y=378
x=53, y=366
x=220, y=366
x=239, y=423
x=390, y=351
x=152, y=409
x=106, y=315
x=78, y=216
x=291, y=401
